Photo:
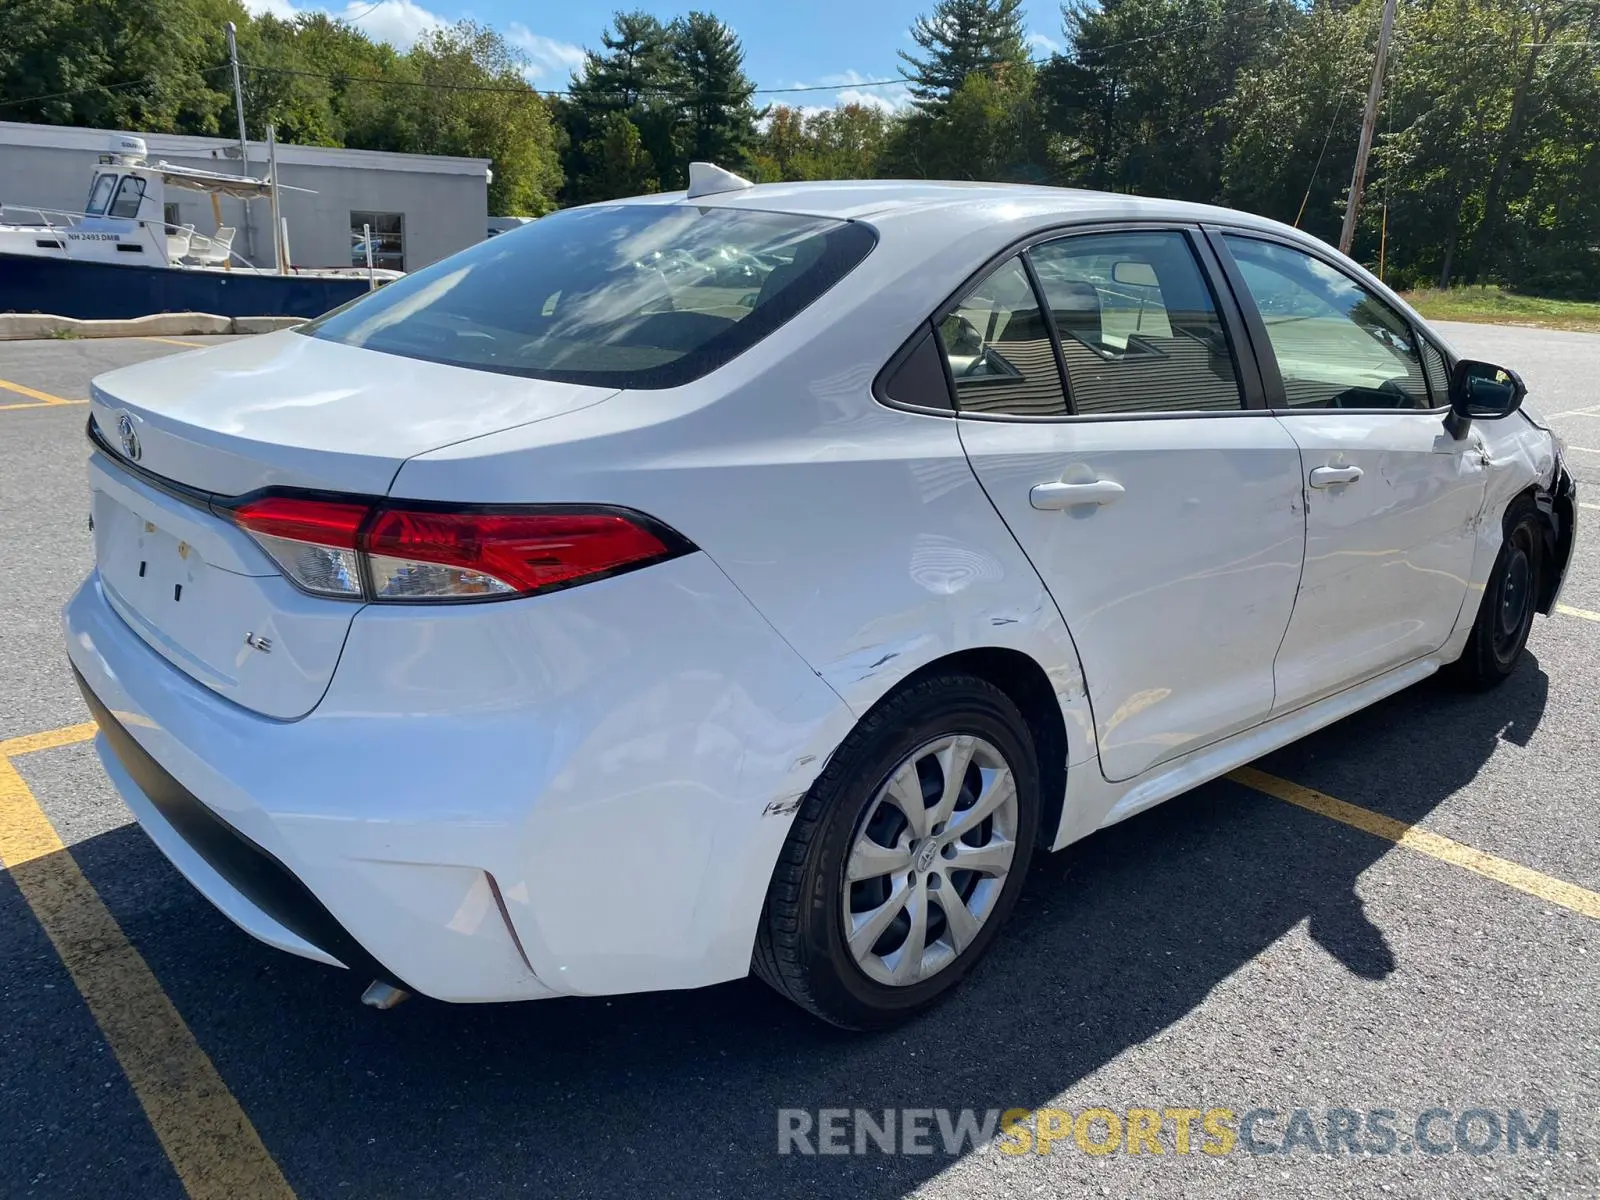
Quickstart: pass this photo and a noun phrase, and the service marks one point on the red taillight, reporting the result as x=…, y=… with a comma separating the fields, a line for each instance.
x=413, y=552
x=327, y=523
x=377, y=552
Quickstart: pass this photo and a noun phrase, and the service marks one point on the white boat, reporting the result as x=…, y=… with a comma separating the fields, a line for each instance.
x=119, y=258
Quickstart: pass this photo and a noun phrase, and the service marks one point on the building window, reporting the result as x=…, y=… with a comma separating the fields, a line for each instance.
x=170, y=214
x=388, y=240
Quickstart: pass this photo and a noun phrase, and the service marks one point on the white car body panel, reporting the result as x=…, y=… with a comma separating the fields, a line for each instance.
x=1177, y=638
x=586, y=791
x=284, y=410
x=1388, y=556
x=497, y=743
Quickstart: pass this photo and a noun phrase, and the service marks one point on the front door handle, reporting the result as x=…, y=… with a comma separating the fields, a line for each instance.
x=1326, y=477
x=1049, y=496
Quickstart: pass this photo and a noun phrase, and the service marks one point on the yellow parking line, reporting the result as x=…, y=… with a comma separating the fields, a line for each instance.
x=34, y=394
x=1568, y=610
x=1524, y=879
x=150, y=337
x=49, y=739
x=211, y=1144
x=41, y=404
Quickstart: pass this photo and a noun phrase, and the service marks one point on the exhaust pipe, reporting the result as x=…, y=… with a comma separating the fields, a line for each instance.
x=383, y=995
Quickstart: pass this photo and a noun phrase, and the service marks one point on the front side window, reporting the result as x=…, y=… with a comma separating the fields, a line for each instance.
x=998, y=347
x=1337, y=345
x=1139, y=330
x=387, y=232
x=128, y=198
x=622, y=296
x=100, y=194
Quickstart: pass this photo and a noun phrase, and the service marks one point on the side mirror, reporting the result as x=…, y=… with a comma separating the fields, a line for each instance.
x=1134, y=274
x=1483, y=390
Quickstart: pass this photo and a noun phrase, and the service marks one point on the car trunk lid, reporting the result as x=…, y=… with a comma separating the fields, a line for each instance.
x=179, y=436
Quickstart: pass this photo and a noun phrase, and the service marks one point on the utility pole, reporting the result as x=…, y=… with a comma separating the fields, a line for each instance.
x=244, y=146
x=1369, y=119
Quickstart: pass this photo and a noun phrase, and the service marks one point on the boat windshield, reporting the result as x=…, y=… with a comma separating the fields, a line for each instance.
x=100, y=194
x=129, y=196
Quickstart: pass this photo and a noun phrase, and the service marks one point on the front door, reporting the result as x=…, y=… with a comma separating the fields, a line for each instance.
x=1163, y=516
x=1392, y=500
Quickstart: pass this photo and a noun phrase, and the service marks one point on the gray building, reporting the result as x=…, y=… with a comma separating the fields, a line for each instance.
x=421, y=207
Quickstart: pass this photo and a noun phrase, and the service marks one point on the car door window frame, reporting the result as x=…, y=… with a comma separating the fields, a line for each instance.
x=1267, y=358
x=1248, y=371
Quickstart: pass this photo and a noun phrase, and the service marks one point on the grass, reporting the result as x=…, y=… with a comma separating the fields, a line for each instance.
x=64, y=334
x=1496, y=306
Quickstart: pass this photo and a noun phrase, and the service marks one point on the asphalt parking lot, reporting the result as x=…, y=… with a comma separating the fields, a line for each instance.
x=1420, y=931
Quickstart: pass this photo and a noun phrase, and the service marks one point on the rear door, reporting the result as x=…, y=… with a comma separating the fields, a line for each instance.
x=1162, y=512
x=1392, y=500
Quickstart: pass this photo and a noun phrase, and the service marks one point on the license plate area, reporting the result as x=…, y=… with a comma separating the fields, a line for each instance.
x=154, y=571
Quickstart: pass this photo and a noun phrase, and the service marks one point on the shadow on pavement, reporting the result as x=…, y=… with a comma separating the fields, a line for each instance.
x=676, y=1094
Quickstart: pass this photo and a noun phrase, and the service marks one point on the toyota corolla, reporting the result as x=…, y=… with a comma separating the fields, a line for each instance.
x=580, y=616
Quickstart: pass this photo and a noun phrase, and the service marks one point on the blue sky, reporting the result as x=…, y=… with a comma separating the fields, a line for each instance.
x=786, y=45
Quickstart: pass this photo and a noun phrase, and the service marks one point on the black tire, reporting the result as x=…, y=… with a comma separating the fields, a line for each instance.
x=1505, y=615
x=801, y=950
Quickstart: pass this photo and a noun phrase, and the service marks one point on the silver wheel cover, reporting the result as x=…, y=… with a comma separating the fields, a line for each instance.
x=929, y=859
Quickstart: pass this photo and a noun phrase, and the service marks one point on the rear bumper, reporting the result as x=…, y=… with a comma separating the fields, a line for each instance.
x=498, y=802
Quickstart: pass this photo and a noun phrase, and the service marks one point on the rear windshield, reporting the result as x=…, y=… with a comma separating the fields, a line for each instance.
x=626, y=296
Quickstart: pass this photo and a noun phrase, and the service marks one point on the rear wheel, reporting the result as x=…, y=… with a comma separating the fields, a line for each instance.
x=1505, y=615
x=905, y=857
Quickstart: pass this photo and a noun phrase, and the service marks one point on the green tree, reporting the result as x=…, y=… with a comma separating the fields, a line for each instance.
x=123, y=64
x=634, y=75
x=958, y=38
x=988, y=128
x=719, y=122
x=619, y=165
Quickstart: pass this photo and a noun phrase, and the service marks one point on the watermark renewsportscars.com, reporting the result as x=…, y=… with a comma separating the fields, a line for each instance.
x=1168, y=1130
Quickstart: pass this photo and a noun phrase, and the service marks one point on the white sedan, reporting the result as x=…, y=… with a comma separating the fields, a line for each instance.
x=554, y=623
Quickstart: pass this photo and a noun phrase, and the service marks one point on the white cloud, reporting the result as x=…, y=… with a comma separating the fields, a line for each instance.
x=548, y=59
x=1041, y=44
x=398, y=22
x=850, y=89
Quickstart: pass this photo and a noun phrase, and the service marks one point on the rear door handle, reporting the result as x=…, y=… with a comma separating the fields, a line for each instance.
x=1325, y=477
x=1049, y=496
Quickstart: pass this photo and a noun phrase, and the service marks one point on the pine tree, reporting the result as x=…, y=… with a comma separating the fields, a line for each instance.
x=633, y=77
x=635, y=66
x=960, y=37
x=719, y=121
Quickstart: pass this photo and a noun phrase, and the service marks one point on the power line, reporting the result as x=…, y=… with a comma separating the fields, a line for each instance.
x=647, y=93
x=101, y=87
x=364, y=13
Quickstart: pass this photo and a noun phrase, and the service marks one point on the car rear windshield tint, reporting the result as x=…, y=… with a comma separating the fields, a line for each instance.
x=626, y=296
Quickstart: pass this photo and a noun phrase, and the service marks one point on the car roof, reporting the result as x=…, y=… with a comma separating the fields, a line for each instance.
x=932, y=201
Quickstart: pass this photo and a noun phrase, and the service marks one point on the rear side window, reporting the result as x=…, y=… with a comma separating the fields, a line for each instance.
x=998, y=347
x=1138, y=327
x=625, y=296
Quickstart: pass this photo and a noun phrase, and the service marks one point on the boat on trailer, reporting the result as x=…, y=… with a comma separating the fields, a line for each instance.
x=119, y=258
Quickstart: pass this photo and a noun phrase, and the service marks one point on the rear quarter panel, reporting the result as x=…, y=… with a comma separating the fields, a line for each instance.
x=857, y=530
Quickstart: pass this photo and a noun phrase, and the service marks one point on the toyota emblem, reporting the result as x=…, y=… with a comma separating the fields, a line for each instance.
x=129, y=438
